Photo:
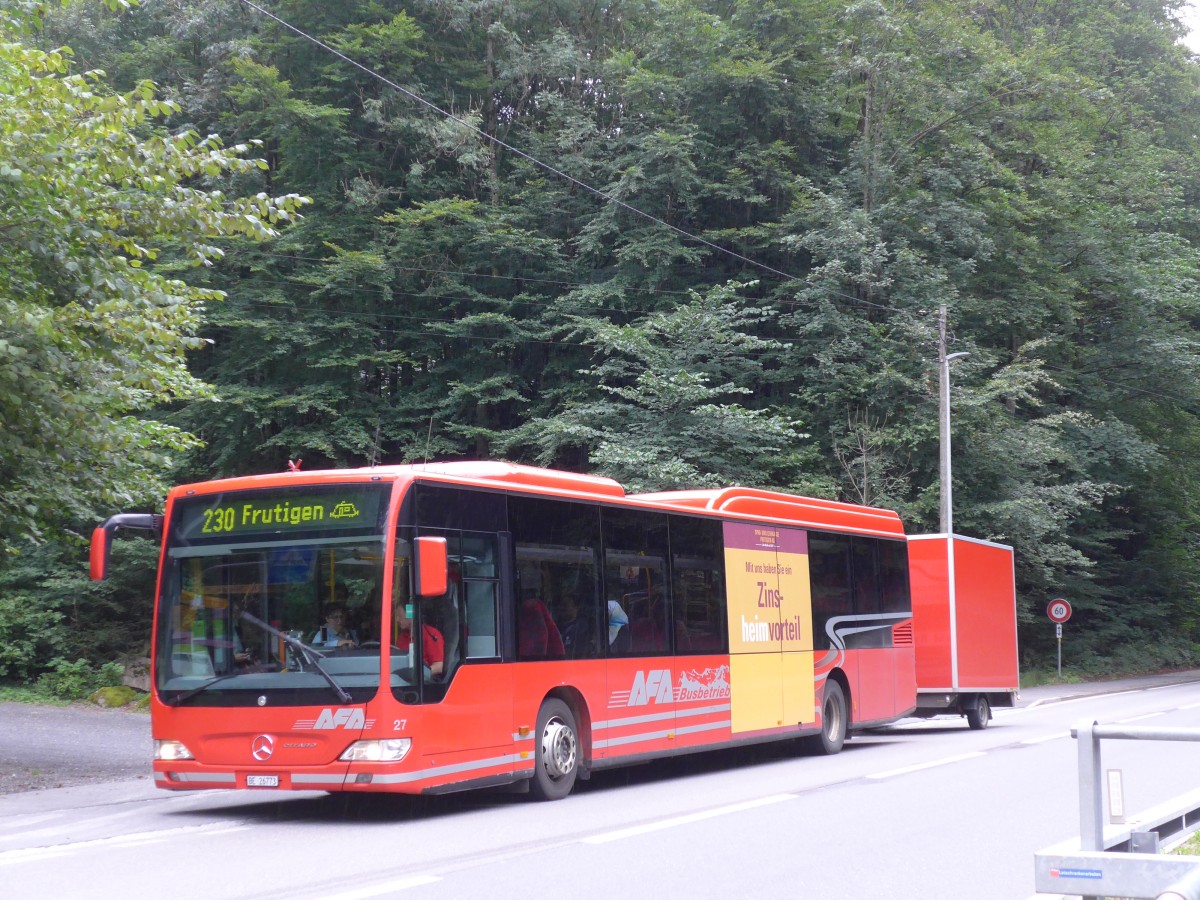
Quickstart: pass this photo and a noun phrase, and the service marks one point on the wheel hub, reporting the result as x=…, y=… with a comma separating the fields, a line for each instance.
x=558, y=748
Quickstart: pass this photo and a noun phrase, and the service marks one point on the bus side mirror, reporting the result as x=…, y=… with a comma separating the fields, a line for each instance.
x=98, y=556
x=102, y=538
x=431, y=566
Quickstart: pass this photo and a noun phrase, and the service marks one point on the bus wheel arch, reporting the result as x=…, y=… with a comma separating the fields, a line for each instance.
x=558, y=749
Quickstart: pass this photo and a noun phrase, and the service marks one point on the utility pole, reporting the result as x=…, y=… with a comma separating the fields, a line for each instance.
x=946, y=519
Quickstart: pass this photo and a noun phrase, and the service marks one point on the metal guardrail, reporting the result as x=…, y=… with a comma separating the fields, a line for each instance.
x=1107, y=863
x=1186, y=888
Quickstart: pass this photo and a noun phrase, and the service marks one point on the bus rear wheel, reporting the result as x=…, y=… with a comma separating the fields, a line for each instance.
x=833, y=720
x=556, y=756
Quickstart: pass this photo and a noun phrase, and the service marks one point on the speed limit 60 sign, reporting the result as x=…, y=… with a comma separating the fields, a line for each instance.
x=1058, y=611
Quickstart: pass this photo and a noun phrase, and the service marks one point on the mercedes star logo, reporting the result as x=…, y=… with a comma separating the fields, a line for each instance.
x=263, y=747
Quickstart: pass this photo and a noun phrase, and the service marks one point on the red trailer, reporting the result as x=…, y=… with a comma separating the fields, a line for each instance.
x=964, y=625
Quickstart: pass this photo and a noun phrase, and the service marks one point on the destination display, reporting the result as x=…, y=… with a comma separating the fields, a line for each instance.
x=350, y=507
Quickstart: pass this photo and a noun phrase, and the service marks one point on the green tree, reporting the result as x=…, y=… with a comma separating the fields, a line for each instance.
x=1023, y=165
x=1030, y=165
x=667, y=415
x=94, y=332
x=50, y=610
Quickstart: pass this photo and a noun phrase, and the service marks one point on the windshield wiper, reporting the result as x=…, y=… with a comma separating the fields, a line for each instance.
x=312, y=654
x=200, y=689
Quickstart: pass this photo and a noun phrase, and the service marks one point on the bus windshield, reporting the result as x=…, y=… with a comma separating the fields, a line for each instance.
x=273, y=597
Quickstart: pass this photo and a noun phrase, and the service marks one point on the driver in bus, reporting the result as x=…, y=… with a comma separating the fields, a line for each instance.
x=433, y=645
x=334, y=633
x=245, y=654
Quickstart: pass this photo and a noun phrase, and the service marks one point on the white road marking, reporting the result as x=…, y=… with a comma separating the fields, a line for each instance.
x=1152, y=715
x=945, y=761
x=1052, y=701
x=33, y=854
x=69, y=826
x=1047, y=737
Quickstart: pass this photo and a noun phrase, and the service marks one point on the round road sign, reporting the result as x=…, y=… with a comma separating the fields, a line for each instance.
x=1058, y=611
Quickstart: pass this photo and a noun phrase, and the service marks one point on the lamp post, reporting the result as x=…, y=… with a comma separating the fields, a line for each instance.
x=944, y=360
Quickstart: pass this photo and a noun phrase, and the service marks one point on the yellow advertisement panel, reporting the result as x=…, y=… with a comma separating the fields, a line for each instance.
x=770, y=626
x=757, y=703
x=766, y=573
x=800, y=688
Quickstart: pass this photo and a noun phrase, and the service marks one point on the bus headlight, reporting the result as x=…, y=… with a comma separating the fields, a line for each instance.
x=377, y=751
x=171, y=750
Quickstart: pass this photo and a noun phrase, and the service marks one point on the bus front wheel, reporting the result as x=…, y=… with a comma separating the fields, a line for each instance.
x=557, y=752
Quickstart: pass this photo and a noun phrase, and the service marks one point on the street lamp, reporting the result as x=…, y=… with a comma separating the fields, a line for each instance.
x=944, y=360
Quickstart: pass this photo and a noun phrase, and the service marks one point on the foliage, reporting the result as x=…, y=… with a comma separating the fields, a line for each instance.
x=49, y=609
x=94, y=333
x=27, y=693
x=25, y=630
x=791, y=189
x=75, y=680
x=1191, y=847
x=666, y=416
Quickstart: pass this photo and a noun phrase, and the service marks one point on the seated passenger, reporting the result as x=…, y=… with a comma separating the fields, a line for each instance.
x=537, y=635
x=245, y=649
x=618, y=628
x=433, y=645
x=443, y=612
x=648, y=628
x=334, y=632
x=578, y=630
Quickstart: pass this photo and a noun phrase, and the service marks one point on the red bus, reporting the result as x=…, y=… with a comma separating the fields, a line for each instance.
x=564, y=626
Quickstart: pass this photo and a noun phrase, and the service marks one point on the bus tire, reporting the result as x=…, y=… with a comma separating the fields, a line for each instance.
x=556, y=753
x=979, y=713
x=833, y=720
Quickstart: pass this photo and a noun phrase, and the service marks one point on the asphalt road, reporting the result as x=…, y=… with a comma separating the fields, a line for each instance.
x=45, y=747
x=920, y=809
x=54, y=746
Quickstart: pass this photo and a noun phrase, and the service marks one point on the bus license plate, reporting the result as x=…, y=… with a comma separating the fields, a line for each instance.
x=262, y=781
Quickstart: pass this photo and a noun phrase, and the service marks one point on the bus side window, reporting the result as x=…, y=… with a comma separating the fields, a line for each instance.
x=480, y=601
x=538, y=636
x=647, y=632
x=477, y=597
x=698, y=585
x=829, y=570
x=893, y=576
x=635, y=554
x=867, y=596
x=557, y=601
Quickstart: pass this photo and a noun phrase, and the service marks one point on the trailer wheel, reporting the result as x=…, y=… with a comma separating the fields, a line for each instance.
x=979, y=714
x=833, y=720
x=556, y=755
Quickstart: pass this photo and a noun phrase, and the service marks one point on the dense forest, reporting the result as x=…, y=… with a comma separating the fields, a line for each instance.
x=676, y=242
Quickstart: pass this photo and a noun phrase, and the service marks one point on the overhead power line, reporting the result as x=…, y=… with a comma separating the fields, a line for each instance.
x=558, y=173
x=573, y=285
